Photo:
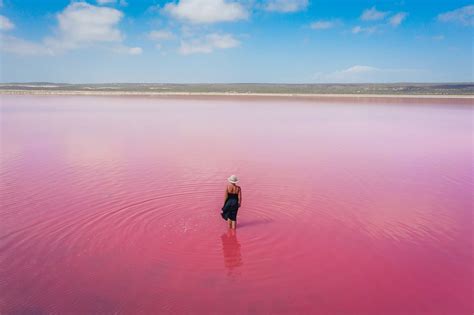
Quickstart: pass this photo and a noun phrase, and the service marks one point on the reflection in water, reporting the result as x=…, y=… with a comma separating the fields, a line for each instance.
x=231, y=251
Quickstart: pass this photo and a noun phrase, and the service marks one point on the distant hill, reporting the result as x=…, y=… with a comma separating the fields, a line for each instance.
x=253, y=88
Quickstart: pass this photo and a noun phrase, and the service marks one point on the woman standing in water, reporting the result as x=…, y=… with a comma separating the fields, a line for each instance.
x=233, y=200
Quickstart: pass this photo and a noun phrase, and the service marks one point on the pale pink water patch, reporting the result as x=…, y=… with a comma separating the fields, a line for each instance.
x=111, y=205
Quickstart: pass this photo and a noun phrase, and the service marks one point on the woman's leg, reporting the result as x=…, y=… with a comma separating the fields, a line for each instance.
x=229, y=222
x=233, y=224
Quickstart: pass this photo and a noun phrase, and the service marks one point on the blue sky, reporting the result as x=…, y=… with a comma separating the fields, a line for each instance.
x=275, y=41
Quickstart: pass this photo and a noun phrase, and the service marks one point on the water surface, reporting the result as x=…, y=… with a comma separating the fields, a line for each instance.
x=111, y=205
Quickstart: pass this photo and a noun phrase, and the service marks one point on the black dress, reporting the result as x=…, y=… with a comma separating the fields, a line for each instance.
x=231, y=206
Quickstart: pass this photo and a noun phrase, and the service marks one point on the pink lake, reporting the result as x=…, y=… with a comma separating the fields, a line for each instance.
x=111, y=205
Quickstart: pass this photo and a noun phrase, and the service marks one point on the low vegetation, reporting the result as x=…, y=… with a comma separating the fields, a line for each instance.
x=247, y=88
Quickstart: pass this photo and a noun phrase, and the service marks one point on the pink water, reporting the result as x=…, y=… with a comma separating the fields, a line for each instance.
x=111, y=205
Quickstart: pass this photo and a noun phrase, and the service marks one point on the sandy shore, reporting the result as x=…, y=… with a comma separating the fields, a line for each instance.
x=464, y=98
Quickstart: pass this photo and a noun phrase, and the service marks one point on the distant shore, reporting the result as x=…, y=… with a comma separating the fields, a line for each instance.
x=227, y=94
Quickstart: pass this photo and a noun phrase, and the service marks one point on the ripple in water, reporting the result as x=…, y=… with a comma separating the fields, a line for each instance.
x=111, y=205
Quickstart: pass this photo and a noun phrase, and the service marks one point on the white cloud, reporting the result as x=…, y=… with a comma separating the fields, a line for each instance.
x=358, y=69
x=207, y=44
x=5, y=23
x=367, y=74
x=79, y=25
x=368, y=30
x=324, y=24
x=356, y=29
x=206, y=11
x=82, y=22
x=19, y=46
x=135, y=51
x=160, y=35
x=373, y=14
x=438, y=37
x=129, y=50
x=397, y=19
x=463, y=15
x=286, y=6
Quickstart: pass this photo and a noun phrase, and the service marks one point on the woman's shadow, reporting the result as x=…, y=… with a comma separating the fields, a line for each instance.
x=231, y=251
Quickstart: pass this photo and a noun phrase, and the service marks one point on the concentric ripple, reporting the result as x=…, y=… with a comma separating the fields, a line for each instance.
x=111, y=205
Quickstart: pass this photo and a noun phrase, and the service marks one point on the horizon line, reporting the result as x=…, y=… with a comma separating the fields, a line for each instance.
x=241, y=83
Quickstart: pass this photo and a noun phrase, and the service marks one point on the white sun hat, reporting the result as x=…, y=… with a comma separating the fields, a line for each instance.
x=233, y=179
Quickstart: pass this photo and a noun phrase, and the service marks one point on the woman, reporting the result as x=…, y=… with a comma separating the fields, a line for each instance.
x=233, y=200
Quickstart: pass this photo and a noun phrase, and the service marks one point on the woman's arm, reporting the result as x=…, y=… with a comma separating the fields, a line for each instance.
x=226, y=194
x=240, y=196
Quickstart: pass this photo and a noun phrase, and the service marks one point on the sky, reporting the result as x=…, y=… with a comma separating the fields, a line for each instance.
x=236, y=41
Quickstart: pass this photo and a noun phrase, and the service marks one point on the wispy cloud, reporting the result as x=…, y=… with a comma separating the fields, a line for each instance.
x=106, y=2
x=366, y=74
x=206, y=11
x=397, y=19
x=463, y=16
x=5, y=23
x=373, y=14
x=325, y=24
x=438, y=37
x=286, y=6
x=160, y=35
x=15, y=45
x=208, y=44
x=368, y=30
x=358, y=69
x=128, y=50
x=382, y=18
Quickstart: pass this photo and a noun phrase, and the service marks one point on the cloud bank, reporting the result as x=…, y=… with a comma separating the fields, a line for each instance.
x=79, y=25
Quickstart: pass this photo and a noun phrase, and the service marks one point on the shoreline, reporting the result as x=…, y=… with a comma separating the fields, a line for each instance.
x=233, y=94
